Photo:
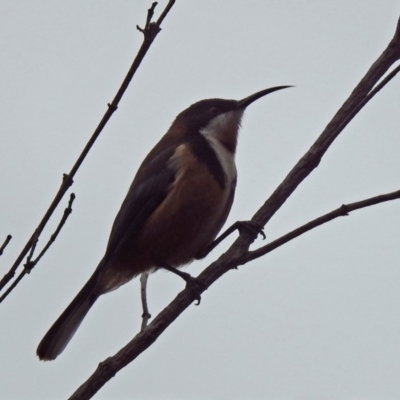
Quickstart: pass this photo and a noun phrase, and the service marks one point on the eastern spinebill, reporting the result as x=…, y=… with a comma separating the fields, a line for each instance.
x=177, y=203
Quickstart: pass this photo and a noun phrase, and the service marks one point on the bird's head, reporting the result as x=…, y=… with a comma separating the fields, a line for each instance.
x=218, y=118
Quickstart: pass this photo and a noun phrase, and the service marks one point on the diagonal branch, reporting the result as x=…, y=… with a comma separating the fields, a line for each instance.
x=345, y=114
x=150, y=32
x=148, y=335
x=362, y=93
x=53, y=237
x=310, y=160
x=234, y=256
x=31, y=263
x=370, y=95
x=342, y=211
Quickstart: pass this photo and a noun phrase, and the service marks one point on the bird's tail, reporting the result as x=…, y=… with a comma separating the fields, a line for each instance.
x=59, y=335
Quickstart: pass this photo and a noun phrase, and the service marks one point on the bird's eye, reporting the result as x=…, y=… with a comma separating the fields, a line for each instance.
x=213, y=111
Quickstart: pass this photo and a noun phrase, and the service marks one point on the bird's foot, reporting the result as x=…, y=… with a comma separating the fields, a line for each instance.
x=251, y=227
x=197, y=286
x=194, y=284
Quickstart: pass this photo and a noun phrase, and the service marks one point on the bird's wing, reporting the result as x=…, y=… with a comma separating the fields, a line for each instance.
x=149, y=188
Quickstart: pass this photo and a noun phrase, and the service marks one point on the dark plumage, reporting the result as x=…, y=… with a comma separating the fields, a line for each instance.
x=177, y=203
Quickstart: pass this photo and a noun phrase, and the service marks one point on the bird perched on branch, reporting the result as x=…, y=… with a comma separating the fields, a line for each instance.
x=177, y=203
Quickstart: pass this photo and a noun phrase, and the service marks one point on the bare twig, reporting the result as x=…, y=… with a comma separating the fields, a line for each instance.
x=150, y=13
x=4, y=245
x=143, y=294
x=342, y=211
x=13, y=285
x=27, y=265
x=370, y=95
x=167, y=9
x=233, y=257
x=31, y=263
x=384, y=82
x=53, y=237
x=312, y=158
x=150, y=32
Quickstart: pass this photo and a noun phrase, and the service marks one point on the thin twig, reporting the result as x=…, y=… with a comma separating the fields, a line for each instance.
x=342, y=211
x=383, y=82
x=368, y=97
x=362, y=93
x=29, y=265
x=167, y=9
x=13, y=285
x=150, y=13
x=4, y=245
x=143, y=295
x=150, y=34
x=53, y=237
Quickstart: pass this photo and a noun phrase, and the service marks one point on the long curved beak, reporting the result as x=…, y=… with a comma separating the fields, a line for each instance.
x=242, y=104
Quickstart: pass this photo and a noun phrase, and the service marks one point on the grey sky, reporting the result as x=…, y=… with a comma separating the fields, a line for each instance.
x=316, y=319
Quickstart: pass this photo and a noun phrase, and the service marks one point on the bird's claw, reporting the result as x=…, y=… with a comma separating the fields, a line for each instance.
x=252, y=227
x=196, y=286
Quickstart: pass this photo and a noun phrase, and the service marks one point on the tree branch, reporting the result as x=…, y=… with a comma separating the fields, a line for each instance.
x=357, y=99
x=370, y=95
x=108, y=368
x=234, y=256
x=53, y=237
x=144, y=339
x=31, y=263
x=342, y=211
x=148, y=335
x=150, y=32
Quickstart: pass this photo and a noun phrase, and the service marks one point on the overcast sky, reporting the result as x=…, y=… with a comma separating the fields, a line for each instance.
x=317, y=319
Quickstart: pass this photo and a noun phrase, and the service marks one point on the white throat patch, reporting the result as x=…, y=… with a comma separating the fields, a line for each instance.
x=216, y=128
x=226, y=122
x=225, y=157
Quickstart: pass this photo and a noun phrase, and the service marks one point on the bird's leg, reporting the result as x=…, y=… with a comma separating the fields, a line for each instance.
x=143, y=294
x=252, y=227
x=194, y=284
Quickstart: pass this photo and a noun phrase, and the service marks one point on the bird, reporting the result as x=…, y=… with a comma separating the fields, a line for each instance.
x=175, y=207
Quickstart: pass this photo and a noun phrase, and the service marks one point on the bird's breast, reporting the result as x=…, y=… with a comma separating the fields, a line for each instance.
x=192, y=213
